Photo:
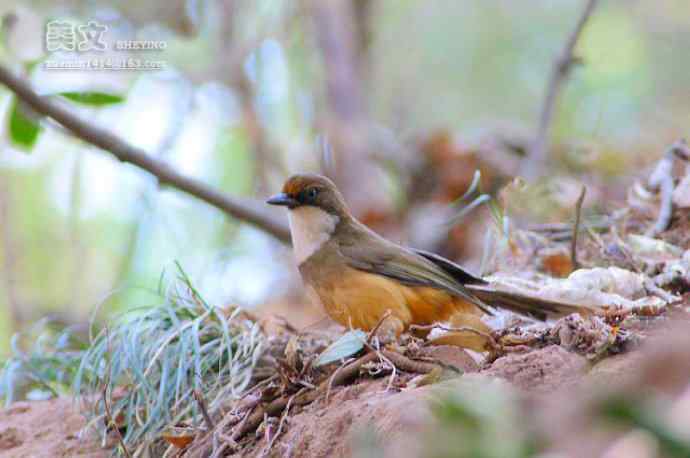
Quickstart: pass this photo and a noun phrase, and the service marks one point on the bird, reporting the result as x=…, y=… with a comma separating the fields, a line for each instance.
x=364, y=281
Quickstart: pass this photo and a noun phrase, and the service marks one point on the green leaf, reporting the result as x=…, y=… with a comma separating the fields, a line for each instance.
x=347, y=345
x=96, y=99
x=23, y=130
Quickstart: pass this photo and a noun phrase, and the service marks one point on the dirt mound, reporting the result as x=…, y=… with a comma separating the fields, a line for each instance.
x=328, y=427
x=402, y=414
x=397, y=412
x=49, y=429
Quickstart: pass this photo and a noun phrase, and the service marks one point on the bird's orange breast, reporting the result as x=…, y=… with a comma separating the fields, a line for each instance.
x=359, y=299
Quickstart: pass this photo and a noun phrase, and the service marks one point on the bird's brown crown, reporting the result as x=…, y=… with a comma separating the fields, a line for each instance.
x=299, y=183
x=315, y=190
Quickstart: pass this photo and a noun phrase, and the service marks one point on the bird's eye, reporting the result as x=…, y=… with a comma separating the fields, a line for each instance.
x=312, y=193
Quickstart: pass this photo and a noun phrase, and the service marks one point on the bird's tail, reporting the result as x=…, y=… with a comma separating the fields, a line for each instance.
x=524, y=304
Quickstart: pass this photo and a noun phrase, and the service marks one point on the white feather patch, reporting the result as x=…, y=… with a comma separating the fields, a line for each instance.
x=310, y=227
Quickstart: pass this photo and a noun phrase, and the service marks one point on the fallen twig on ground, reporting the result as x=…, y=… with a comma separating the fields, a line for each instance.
x=204, y=411
x=576, y=228
x=406, y=364
x=375, y=329
x=277, y=405
x=109, y=420
x=283, y=417
x=339, y=377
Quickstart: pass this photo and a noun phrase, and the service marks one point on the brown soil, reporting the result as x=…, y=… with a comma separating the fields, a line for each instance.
x=325, y=428
x=49, y=429
x=558, y=383
x=402, y=415
x=542, y=370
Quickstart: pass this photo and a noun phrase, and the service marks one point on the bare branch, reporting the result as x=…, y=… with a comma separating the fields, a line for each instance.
x=535, y=160
x=245, y=209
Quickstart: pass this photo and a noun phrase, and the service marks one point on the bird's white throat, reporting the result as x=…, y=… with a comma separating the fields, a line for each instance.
x=310, y=228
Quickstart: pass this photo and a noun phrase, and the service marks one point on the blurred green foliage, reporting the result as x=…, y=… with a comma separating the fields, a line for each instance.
x=47, y=368
x=631, y=412
x=478, y=423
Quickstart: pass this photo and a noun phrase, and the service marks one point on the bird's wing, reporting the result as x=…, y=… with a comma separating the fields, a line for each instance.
x=451, y=268
x=421, y=268
x=410, y=268
x=528, y=305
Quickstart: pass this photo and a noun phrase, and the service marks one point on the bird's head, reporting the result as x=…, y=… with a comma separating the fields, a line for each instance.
x=311, y=190
x=316, y=208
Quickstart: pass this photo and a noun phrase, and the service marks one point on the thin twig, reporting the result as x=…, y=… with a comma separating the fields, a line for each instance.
x=533, y=163
x=339, y=377
x=332, y=378
x=243, y=423
x=277, y=405
x=269, y=446
x=565, y=229
x=204, y=412
x=110, y=423
x=375, y=329
x=244, y=209
x=394, y=373
x=576, y=229
x=406, y=364
x=394, y=370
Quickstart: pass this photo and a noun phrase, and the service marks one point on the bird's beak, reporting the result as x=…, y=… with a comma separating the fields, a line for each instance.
x=283, y=199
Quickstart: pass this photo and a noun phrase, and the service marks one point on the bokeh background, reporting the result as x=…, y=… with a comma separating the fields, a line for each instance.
x=400, y=100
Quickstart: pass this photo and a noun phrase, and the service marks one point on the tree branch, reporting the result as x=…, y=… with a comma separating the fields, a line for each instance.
x=247, y=210
x=535, y=160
